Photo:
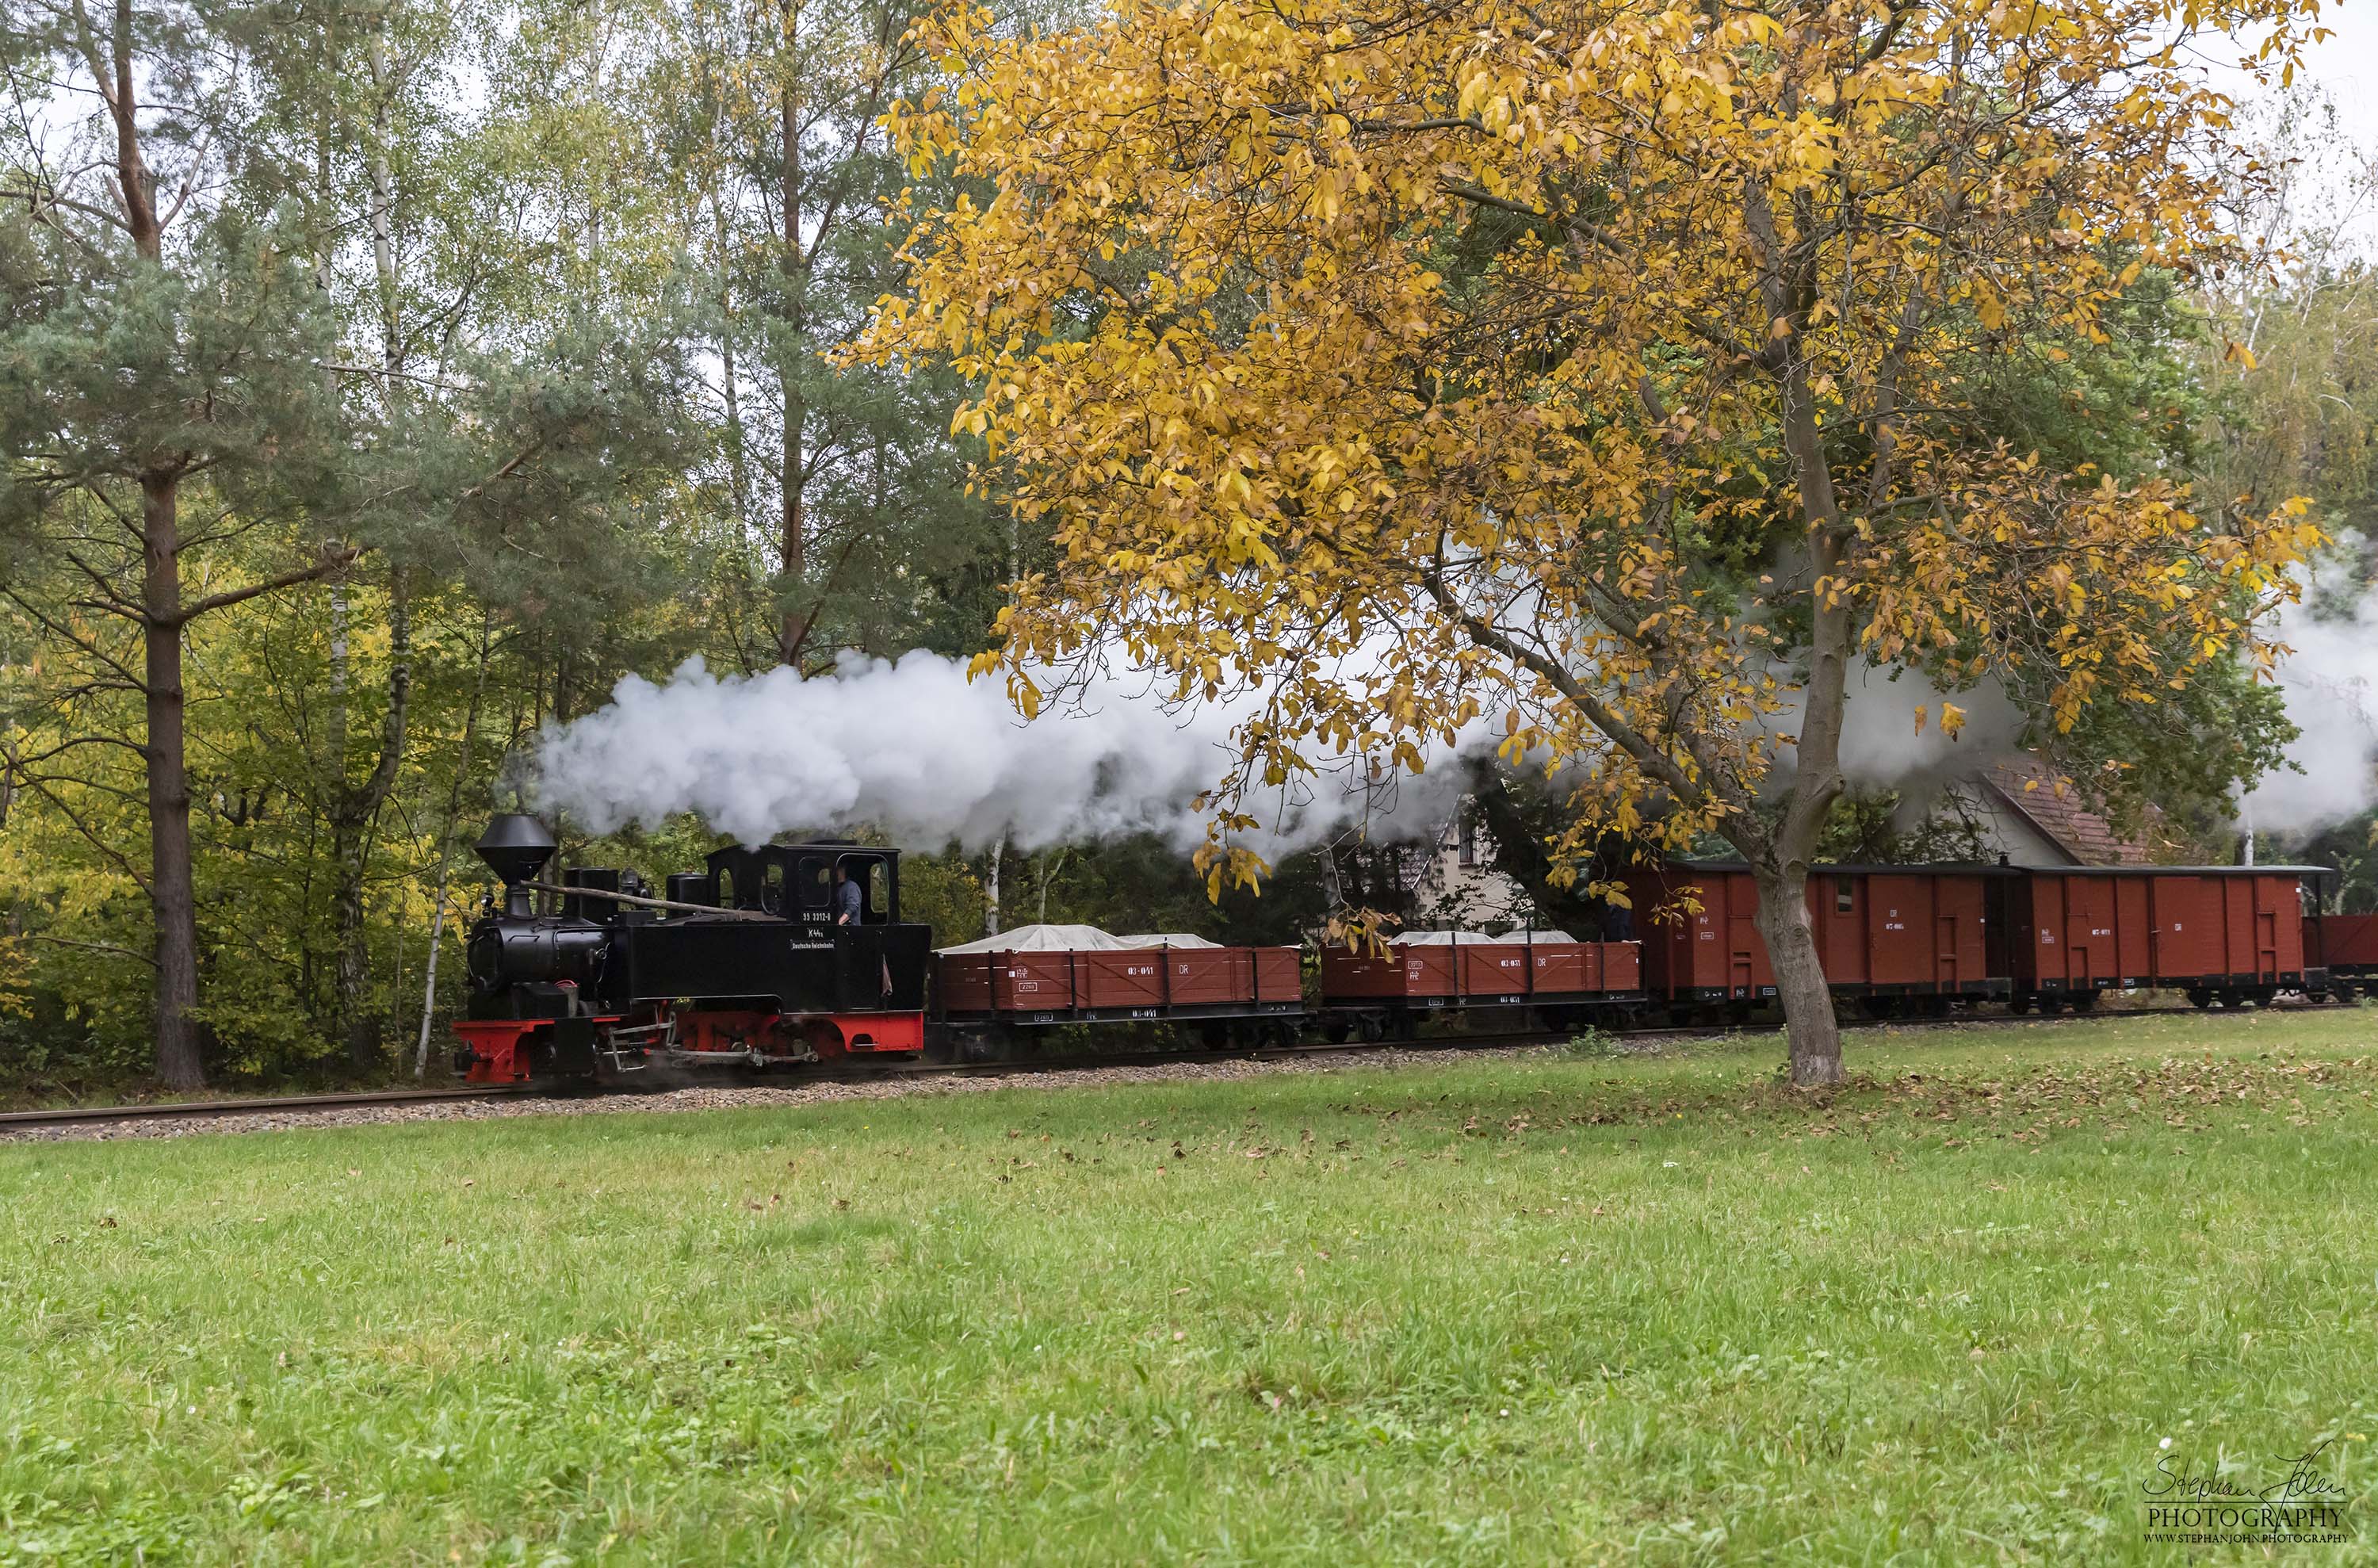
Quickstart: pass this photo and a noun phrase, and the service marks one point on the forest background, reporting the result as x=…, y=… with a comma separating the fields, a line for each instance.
x=516, y=326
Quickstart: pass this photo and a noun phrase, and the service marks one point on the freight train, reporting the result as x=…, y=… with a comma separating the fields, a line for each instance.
x=795, y=953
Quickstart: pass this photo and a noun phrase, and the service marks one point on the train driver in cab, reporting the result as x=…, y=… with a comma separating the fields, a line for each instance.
x=849, y=900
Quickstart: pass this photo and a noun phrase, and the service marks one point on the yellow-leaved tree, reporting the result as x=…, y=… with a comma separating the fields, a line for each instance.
x=1609, y=368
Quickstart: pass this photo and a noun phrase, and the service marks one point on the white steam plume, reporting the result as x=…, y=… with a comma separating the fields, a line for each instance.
x=2331, y=685
x=916, y=749
x=1883, y=748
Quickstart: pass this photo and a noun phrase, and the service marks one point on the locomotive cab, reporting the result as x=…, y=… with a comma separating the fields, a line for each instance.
x=796, y=881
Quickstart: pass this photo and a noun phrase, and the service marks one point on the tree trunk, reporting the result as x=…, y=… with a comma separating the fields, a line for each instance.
x=795, y=267
x=172, y=896
x=990, y=888
x=738, y=474
x=351, y=825
x=1814, y=1037
x=446, y=841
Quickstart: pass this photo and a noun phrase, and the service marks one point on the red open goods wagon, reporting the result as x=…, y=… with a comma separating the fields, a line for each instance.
x=1437, y=971
x=1080, y=974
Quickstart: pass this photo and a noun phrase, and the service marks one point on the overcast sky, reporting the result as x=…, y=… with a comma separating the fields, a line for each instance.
x=2345, y=67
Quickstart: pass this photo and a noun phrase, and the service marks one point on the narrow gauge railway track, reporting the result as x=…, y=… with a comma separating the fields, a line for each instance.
x=208, y=1110
x=302, y=1105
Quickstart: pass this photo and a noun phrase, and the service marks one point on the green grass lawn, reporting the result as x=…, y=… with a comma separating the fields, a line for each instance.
x=1545, y=1308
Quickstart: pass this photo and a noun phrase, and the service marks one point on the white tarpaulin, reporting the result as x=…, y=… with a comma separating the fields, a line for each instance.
x=1165, y=939
x=1046, y=939
x=1477, y=938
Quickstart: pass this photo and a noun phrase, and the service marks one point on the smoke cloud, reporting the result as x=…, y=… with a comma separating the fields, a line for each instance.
x=1882, y=748
x=914, y=748
x=2330, y=683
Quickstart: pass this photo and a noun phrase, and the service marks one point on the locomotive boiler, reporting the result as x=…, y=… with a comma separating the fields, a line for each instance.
x=770, y=956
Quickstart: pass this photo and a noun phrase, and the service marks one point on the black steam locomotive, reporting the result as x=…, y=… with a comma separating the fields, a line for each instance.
x=765, y=958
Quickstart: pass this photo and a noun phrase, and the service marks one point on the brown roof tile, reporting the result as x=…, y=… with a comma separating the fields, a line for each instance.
x=2053, y=804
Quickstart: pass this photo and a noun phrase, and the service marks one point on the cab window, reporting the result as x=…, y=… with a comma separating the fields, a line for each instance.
x=816, y=883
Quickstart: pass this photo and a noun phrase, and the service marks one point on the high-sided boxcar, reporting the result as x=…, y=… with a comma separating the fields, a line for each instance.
x=2227, y=934
x=1899, y=938
x=2346, y=946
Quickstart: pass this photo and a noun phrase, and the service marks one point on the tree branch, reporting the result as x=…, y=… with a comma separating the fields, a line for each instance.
x=332, y=560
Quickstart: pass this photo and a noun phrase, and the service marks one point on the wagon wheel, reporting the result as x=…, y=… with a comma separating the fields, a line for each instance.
x=2200, y=997
x=2084, y=1001
x=2020, y=1002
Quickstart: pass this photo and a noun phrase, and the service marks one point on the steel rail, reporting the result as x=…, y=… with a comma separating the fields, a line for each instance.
x=200, y=1109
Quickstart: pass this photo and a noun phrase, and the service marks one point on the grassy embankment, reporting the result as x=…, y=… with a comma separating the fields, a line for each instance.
x=1543, y=1307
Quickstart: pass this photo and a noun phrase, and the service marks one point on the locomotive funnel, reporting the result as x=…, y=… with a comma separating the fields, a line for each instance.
x=515, y=847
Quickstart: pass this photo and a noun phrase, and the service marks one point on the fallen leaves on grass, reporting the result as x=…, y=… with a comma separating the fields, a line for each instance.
x=2028, y=1107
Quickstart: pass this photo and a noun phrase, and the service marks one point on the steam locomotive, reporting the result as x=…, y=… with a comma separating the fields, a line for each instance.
x=748, y=963
x=743, y=962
